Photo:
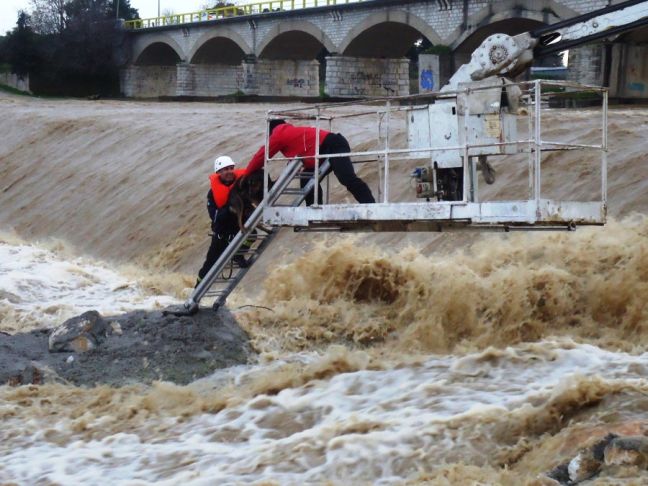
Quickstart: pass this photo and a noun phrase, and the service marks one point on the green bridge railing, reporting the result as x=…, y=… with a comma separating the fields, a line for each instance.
x=232, y=11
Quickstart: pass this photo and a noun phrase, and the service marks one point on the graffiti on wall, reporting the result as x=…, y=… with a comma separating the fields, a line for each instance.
x=427, y=80
x=366, y=78
x=364, y=83
x=637, y=87
x=298, y=83
x=246, y=77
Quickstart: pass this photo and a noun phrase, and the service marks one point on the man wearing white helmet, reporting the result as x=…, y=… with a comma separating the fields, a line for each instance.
x=224, y=224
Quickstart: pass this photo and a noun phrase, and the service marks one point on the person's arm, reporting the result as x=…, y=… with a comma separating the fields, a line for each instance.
x=256, y=162
x=211, y=205
x=225, y=222
x=222, y=220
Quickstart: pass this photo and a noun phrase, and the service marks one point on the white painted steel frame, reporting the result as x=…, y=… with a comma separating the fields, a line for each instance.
x=524, y=212
x=533, y=212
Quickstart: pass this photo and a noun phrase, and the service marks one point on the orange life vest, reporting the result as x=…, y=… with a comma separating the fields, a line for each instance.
x=221, y=191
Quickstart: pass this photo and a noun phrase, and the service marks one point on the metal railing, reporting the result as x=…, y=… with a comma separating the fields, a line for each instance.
x=232, y=11
x=390, y=153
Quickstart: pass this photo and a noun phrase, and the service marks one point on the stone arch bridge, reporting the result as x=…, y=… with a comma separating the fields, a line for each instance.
x=349, y=49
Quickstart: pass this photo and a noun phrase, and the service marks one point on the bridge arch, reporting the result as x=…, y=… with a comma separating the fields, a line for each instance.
x=160, y=49
x=510, y=26
x=544, y=12
x=388, y=19
x=639, y=35
x=222, y=46
x=285, y=36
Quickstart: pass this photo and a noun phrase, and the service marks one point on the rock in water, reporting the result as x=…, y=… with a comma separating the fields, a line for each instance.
x=79, y=334
x=588, y=463
x=627, y=451
x=560, y=474
x=583, y=466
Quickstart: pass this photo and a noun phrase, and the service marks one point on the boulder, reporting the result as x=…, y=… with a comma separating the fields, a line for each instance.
x=585, y=465
x=627, y=451
x=79, y=334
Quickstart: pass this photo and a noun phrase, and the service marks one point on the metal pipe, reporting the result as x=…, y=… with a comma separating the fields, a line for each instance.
x=379, y=158
x=474, y=190
x=465, y=153
x=530, y=147
x=538, y=146
x=328, y=179
x=435, y=181
x=387, y=127
x=266, y=156
x=604, y=143
x=571, y=145
x=449, y=94
x=407, y=150
x=317, y=148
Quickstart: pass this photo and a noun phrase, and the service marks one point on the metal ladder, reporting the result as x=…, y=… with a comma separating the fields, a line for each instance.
x=254, y=233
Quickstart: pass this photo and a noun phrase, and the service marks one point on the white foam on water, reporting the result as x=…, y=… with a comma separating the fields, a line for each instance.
x=368, y=426
x=41, y=288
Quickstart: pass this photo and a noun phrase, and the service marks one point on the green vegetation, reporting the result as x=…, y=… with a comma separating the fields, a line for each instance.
x=565, y=93
x=9, y=89
x=547, y=75
x=438, y=50
x=552, y=89
x=322, y=90
x=586, y=95
x=221, y=5
x=69, y=47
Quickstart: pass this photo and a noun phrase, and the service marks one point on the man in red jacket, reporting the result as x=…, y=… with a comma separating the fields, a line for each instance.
x=224, y=224
x=293, y=141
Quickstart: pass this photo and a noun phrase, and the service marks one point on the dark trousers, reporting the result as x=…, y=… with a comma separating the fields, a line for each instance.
x=225, y=228
x=334, y=143
x=216, y=248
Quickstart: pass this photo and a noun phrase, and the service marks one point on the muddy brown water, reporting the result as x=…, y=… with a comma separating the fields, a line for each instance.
x=378, y=359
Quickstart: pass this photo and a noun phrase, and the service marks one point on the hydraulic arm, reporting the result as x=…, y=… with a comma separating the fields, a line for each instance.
x=505, y=55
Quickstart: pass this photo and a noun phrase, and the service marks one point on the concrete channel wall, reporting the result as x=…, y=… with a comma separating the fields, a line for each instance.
x=16, y=81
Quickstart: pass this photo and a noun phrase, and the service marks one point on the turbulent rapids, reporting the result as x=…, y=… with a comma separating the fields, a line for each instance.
x=499, y=291
x=381, y=359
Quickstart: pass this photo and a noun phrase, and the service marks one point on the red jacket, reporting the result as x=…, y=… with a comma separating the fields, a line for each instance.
x=221, y=191
x=291, y=141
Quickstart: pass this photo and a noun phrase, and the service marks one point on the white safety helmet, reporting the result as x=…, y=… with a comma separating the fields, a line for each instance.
x=222, y=162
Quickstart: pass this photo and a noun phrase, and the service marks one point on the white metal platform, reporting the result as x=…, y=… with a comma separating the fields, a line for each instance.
x=493, y=119
x=439, y=216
